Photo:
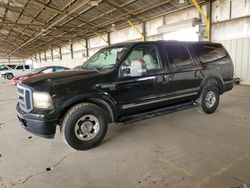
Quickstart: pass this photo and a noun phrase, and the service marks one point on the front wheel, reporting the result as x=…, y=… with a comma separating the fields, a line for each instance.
x=84, y=126
x=209, y=99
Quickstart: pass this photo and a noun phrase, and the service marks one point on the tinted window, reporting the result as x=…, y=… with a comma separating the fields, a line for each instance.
x=12, y=66
x=20, y=67
x=27, y=67
x=3, y=67
x=207, y=53
x=178, y=56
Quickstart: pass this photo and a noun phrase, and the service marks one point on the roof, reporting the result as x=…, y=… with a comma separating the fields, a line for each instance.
x=30, y=26
x=158, y=41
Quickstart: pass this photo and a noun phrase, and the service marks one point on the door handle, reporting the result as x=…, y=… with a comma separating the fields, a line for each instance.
x=168, y=78
x=195, y=73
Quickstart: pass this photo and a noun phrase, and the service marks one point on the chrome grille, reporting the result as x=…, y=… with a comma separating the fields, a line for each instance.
x=24, y=98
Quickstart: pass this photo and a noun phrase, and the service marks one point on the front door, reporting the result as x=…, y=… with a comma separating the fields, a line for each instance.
x=140, y=80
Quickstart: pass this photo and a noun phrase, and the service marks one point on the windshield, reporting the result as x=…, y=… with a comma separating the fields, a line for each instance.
x=3, y=67
x=105, y=59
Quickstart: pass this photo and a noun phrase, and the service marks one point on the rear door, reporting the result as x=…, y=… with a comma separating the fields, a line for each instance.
x=184, y=77
x=27, y=69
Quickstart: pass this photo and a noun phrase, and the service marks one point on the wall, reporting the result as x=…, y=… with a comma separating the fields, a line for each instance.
x=231, y=27
x=239, y=50
x=11, y=60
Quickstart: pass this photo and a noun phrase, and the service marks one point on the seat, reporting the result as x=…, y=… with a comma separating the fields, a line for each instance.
x=149, y=62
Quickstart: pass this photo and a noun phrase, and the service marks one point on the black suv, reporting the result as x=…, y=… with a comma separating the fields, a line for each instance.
x=123, y=82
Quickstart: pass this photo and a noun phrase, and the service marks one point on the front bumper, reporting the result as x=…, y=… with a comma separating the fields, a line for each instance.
x=43, y=125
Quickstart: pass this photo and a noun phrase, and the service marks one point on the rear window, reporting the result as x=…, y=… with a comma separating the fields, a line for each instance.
x=27, y=67
x=207, y=53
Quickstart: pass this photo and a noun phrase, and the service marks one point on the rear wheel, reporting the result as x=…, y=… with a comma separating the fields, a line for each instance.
x=84, y=126
x=209, y=99
x=9, y=76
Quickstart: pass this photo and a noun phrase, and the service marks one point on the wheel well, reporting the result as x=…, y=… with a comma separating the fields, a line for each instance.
x=214, y=81
x=99, y=102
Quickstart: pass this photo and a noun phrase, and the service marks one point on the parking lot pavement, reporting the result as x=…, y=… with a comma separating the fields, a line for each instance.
x=182, y=149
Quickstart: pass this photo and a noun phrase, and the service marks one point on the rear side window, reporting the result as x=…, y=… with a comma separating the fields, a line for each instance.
x=178, y=56
x=207, y=53
x=27, y=67
x=20, y=67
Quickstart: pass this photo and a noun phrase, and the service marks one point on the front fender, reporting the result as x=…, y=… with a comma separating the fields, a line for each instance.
x=102, y=100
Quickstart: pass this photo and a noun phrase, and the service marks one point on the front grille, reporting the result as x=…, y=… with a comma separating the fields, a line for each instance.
x=24, y=98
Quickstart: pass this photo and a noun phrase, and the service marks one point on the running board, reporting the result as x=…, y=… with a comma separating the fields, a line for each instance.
x=157, y=112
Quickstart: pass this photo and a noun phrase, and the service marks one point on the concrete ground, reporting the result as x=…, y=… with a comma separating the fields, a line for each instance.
x=183, y=149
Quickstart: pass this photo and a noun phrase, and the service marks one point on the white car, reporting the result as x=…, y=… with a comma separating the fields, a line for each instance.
x=6, y=67
x=17, y=71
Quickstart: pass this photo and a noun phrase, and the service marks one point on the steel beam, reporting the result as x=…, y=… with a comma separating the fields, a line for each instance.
x=137, y=29
x=50, y=26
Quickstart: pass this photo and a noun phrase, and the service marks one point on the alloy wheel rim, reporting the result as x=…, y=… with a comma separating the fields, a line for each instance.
x=210, y=99
x=87, y=127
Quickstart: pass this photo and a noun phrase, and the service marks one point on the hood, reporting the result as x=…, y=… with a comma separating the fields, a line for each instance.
x=58, y=79
x=22, y=76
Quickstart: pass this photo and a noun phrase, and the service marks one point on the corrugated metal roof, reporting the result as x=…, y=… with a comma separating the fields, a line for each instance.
x=29, y=26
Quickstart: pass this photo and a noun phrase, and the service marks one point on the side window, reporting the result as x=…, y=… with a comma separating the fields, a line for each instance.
x=20, y=67
x=178, y=56
x=27, y=67
x=58, y=69
x=142, y=60
x=48, y=70
x=207, y=53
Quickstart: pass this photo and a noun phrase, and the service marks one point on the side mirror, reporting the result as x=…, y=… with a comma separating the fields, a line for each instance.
x=136, y=68
x=124, y=70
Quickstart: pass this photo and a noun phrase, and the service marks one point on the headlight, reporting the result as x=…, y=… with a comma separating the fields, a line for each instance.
x=42, y=100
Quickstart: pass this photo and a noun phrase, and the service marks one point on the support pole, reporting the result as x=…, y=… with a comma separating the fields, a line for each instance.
x=45, y=56
x=206, y=18
x=209, y=15
x=60, y=52
x=71, y=51
x=108, y=38
x=52, y=57
x=40, y=59
x=87, y=47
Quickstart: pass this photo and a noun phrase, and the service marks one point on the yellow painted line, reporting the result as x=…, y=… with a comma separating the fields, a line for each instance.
x=220, y=171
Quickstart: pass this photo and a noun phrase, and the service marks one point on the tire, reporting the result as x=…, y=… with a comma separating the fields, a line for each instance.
x=84, y=126
x=9, y=76
x=209, y=99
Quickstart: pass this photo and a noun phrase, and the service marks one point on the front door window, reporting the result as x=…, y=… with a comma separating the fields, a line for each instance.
x=143, y=60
